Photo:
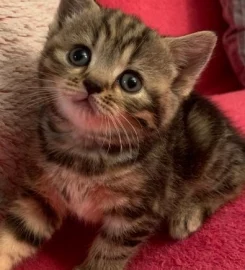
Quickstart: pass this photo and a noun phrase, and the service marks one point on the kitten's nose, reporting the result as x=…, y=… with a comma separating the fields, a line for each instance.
x=92, y=87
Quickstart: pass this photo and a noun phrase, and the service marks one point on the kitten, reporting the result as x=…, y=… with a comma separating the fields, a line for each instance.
x=121, y=139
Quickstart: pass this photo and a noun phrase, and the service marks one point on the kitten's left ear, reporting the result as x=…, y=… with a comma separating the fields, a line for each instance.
x=68, y=8
x=190, y=54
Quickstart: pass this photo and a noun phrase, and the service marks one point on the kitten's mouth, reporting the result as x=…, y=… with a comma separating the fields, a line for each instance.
x=79, y=110
x=79, y=101
x=85, y=115
x=85, y=103
x=82, y=103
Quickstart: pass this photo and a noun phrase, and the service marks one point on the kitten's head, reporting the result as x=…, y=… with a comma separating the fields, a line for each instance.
x=102, y=65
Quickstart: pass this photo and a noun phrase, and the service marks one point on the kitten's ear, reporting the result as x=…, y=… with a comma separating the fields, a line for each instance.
x=67, y=8
x=190, y=54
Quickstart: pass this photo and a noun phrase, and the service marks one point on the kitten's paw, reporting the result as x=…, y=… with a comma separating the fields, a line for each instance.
x=102, y=266
x=84, y=267
x=5, y=263
x=78, y=268
x=185, y=223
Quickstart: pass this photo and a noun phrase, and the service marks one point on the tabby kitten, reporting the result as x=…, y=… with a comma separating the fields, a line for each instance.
x=121, y=140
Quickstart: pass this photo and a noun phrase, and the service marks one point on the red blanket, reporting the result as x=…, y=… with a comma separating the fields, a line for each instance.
x=219, y=245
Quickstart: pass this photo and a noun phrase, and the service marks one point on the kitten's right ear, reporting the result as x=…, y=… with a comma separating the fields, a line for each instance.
x=67, y=8
x=190, y=55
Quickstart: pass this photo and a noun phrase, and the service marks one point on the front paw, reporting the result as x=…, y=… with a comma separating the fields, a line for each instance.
x=88, y=267
x=185, y=222
x=99, y=266
x=6, y=263
x=80, y=268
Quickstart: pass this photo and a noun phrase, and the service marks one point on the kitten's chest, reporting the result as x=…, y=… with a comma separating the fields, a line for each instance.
x=91, y=201
x=90, y=198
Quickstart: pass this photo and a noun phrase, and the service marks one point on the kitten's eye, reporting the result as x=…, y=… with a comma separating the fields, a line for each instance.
x=130, y=81
x=80, y=56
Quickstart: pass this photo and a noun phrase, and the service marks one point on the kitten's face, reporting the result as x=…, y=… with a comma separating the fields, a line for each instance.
x=103, y=66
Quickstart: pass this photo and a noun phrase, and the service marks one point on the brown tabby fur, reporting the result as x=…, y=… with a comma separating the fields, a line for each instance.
x=163, y=153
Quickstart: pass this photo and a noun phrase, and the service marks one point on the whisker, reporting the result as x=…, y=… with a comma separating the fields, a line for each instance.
x=109, y=123
x=104, y=118
x=118, y=131
x=134, y=130
x=126, y=134
x=131, y=115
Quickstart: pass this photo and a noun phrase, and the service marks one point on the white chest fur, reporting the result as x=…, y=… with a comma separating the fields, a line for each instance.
x=88, y=198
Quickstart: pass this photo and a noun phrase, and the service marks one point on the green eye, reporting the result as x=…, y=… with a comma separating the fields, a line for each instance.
x=80, y=56
x=130, y=81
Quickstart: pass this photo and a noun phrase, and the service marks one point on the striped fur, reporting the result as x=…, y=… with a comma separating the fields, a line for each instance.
x=125, y=160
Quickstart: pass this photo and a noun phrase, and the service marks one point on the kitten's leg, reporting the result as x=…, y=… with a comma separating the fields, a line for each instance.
x=186, y=220
x=223, y=182
x=29, y=222
x=117, y=243
x=189, y=216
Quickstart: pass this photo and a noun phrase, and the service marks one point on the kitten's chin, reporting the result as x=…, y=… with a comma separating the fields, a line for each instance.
x=80, y=113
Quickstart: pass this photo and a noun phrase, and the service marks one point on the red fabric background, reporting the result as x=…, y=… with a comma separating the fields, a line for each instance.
x=220, y=245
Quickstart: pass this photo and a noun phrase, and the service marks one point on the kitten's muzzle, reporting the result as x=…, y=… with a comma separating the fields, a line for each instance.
x=92, y=87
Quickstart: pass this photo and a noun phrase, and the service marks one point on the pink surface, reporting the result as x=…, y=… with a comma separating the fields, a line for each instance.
x=219, y=245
